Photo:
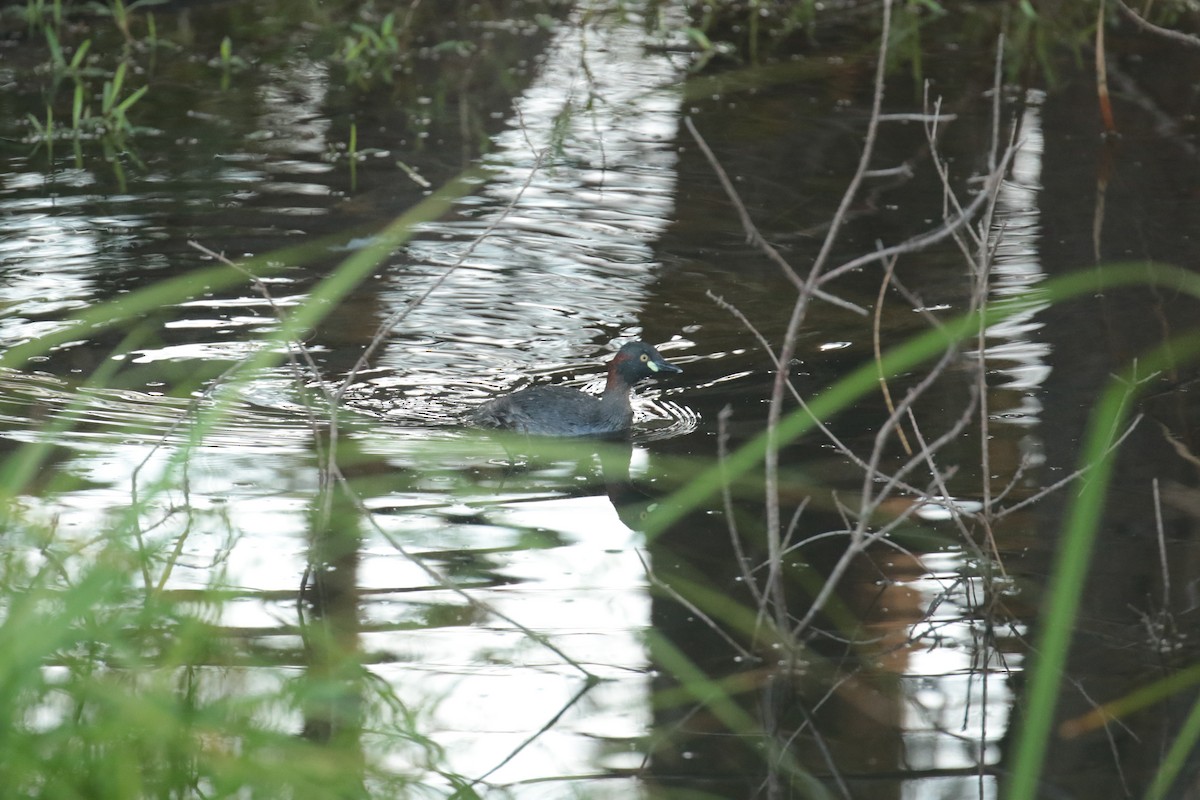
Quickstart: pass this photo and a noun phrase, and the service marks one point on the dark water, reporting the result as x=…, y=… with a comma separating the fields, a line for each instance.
x=599, y=219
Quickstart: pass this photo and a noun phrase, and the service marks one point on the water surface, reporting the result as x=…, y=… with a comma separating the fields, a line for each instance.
x=491, y=583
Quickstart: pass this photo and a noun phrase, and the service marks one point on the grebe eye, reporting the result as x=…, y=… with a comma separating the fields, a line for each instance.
x=645, y=358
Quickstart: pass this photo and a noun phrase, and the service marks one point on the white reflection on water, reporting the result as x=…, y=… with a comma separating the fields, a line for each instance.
x=588, y=164
x=569, y=268
x=56, y=255
x=951, y=701
x=291, y=124
x=1017, y=270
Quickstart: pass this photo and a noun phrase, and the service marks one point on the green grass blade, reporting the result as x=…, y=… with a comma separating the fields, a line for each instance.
x=718, y=698
x=1177, y=756
x=80, y=54
x=1079, y=534
x=907, y=356
x=129, y=101
x=1071, y=564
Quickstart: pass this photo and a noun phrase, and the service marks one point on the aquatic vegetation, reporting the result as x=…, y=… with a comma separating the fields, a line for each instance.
x=109, y=122
x=372, y=51
x=43, y=14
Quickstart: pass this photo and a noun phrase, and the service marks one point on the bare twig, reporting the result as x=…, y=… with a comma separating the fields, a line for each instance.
x=842, y=448
x=957, y=513
x=871, y=499
x=753, y=235
x=693, y=608
x=1054, y=487
x=533, y=737
x=997, y=94
x=864, y=160
x=876, y=322
x=799, y=312
x=949, y=198
x=295, y=350
x=395, y=319
x=735, y=537
x=921, y=240
x=872, y=493
x=848, y=530
x=931, y=119
x=794, y=525
x=1106, y=112
x=1144, y=24
x=830, y=761
x=1162, y=547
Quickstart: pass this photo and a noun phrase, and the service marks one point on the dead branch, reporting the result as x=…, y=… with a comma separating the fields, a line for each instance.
x=1175, y=36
